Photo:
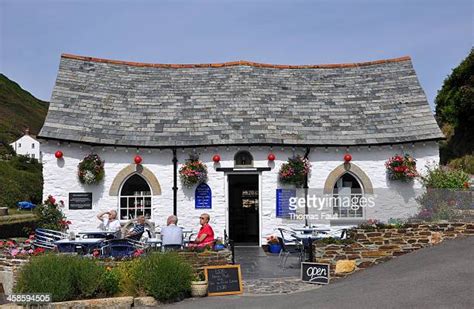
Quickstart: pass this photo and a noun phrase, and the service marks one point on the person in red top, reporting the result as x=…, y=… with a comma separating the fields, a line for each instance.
x=206, y=234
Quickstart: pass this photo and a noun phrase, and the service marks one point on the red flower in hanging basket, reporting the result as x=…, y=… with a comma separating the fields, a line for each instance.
x=347, y=158
x=58, y=154
x=216, y=158
x=138, y=159
x=271, y=157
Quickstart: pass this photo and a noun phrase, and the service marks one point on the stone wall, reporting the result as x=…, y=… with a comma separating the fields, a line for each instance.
x=9, y=268
x=375, y=246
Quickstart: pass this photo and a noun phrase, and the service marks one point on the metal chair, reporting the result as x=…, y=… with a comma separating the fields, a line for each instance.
x=119, y=248
x=289, y=246
x=45, y=238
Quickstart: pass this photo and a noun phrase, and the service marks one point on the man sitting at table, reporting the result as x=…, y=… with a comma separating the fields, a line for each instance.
x=171, y=234
x=205, y=236
x=138, y=229
x=109, y=223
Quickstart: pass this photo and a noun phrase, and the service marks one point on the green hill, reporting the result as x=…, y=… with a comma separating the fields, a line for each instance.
x=18, y=110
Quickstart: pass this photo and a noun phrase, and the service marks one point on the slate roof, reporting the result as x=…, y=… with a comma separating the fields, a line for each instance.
x=109, y=102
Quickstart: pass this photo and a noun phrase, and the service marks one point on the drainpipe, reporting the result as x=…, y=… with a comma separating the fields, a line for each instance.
x=305, y=187
x=175, y=183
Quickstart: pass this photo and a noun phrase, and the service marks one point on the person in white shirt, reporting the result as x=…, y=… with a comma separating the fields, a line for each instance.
x=109, y=222
x=172, y=235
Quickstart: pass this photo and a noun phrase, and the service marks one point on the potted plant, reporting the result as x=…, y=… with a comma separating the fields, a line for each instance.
x=198, y=285
x=273, y=244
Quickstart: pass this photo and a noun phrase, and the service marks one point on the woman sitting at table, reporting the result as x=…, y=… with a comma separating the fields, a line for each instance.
x=109, y=223
x=205, y=236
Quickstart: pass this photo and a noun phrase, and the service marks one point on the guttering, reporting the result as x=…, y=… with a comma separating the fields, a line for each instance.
x=175, y=183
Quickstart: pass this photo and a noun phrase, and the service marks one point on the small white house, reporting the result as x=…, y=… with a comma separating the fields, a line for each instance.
x=244, y=120
x=27, y=146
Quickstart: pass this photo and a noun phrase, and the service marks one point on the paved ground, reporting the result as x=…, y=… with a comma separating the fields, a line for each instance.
x=436, y=277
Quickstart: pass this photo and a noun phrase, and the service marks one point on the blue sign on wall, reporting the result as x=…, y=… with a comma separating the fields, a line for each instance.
x=283, y=202
x=203, y=197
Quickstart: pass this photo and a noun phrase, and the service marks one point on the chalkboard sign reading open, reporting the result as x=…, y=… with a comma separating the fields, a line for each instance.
x=223, y=280
x=315, y=273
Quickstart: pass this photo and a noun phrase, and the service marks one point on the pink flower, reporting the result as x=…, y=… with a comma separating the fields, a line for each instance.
x=30, y=251
x=14, y=252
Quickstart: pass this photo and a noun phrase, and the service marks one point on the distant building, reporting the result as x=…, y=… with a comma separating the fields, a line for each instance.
x=27, y=146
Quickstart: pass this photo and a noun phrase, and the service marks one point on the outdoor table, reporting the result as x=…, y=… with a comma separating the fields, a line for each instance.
x=89, y=243
x=98, y=232
x=307, y=238
x=154, y=242
x=309, y=230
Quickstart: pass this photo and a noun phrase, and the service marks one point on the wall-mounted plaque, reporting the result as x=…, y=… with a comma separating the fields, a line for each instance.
x=203, y=197
x=80, y=200
x=283, y=202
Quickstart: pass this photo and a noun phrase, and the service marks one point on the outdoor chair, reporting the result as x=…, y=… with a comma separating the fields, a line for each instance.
x=45, y=238
x=119, y=248
x=289, y=246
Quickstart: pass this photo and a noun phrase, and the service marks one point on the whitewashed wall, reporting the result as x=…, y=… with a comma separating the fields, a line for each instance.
x=393, y=199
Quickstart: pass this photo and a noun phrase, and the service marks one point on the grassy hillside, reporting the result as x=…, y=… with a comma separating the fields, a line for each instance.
x=18, y=110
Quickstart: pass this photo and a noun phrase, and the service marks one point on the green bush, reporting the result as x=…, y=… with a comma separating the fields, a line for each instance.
x=165, y=276
x=443, y=178
x=49, y=215
x=465, y=163
x=66, y=277
x=110, y=282
x=21, y=180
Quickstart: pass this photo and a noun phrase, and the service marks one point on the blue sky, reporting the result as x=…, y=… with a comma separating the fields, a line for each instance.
x=33, y=34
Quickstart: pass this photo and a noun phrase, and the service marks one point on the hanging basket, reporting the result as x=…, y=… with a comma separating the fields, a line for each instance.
x=294, y=171
x=193, y=172
x=401, y=168
x=91, y=170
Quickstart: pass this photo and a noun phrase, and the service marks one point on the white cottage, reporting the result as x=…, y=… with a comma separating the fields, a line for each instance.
x=242, y=112
x=27, y=146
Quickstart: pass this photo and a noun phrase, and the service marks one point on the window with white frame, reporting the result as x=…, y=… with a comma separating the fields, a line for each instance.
x=135, y=198
x=347, y=193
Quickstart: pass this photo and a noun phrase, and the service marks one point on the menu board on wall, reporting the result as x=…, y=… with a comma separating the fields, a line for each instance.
x=283, y=202
x=203, y=197
x=80, y=200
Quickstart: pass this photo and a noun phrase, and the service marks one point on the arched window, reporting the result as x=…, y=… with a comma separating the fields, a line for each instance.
x=135, y=198
x=243, y=158
x=347, y=195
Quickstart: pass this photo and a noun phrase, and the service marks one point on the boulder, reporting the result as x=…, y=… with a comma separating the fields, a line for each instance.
x=146, y=301
x=345, y=266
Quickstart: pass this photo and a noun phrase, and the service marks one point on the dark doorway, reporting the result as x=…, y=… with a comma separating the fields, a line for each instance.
x=243, y=209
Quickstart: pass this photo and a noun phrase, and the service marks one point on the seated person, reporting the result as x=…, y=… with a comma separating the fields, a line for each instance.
x=109, y=223
x=205, y=236
x=138, y=229
x=172, y=235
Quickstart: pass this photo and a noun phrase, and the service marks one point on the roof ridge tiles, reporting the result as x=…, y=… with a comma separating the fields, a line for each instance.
x=236, y=63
